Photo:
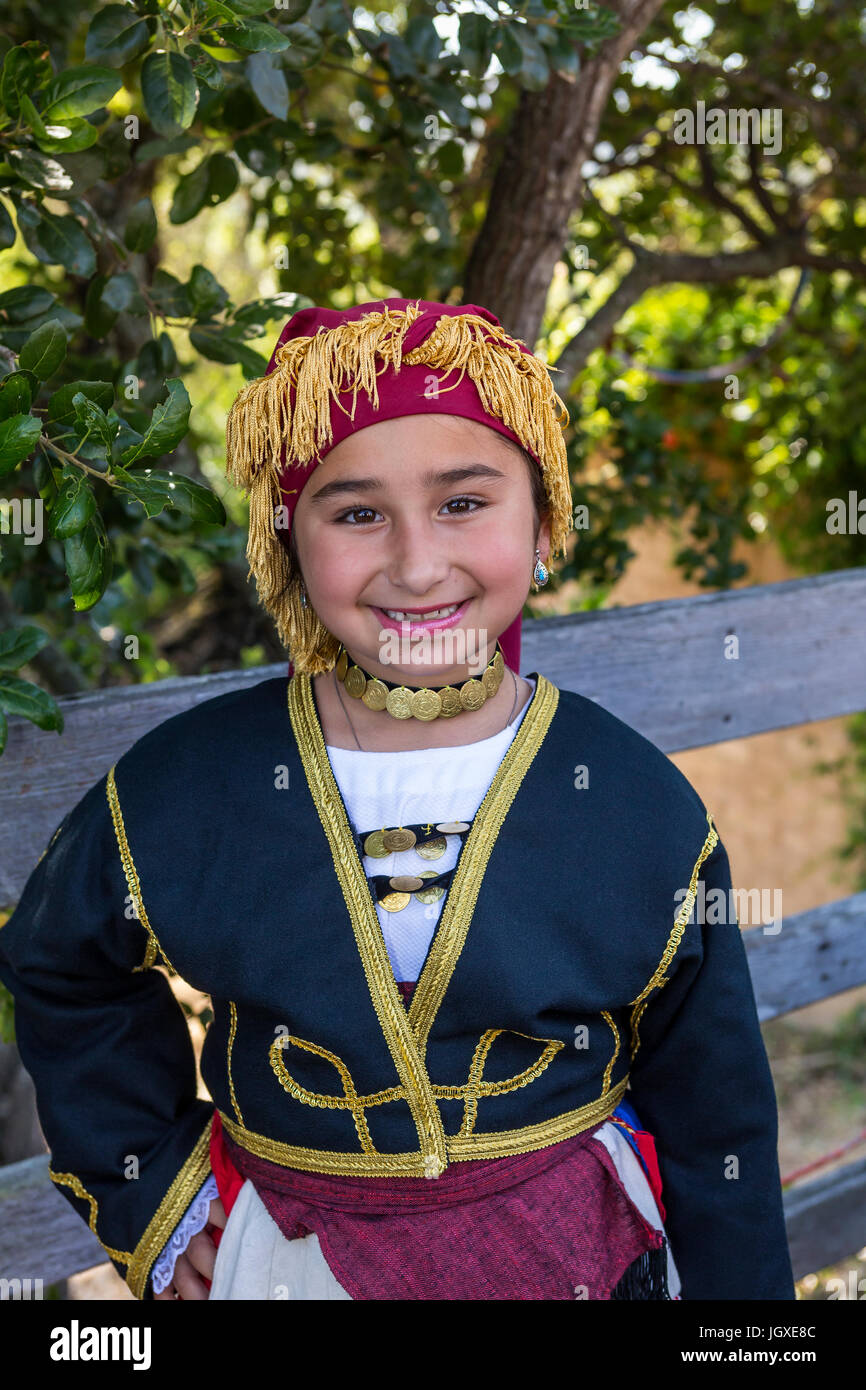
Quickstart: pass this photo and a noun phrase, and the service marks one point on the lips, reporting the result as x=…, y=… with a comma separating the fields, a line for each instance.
x=420, y=621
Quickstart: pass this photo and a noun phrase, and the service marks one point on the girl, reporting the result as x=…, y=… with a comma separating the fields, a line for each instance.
x=471, y=1037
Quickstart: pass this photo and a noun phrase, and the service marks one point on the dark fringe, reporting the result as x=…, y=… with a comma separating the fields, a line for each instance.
x=646, y=1277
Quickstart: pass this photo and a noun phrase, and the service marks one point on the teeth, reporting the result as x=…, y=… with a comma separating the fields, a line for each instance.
x=399, y=615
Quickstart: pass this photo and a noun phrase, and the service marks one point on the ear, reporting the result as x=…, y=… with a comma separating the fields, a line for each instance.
x=542, y=540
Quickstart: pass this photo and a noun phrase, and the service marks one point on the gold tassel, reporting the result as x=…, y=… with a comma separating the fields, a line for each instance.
x=513, y=386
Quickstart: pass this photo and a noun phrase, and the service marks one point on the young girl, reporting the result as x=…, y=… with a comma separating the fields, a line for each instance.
x=471, y=1037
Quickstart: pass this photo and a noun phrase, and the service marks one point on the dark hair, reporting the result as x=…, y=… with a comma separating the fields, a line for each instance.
x=540, y=503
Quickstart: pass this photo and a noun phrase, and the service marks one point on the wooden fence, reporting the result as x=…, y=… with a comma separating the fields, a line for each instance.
x=662, y=668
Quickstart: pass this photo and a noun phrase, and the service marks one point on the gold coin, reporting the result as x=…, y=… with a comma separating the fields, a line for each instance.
x=452, y=827
x=376, y=694
x=373, y=845
x=397, y=840
x=499, y=664
x=430, y=895
x=472, y=694
x=489, y=681
x=399, y=702
x=395, y=902
x=449, y=700
x=426, y=704
x=406, y=883
x=355, y=682
x=433, y=849
x=342, y=664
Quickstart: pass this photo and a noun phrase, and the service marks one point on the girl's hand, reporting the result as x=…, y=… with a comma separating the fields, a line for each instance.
x=197, y=1259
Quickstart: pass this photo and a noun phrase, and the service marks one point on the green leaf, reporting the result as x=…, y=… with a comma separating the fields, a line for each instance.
x=78, y=91
x=167, y=427
x=94, y=421
x=7, y=229
x=423, y=40
x=88, y=563
x=75, y=503
x=56, y=240
x=140, y=231
x=475, y=33
x=29, y=701
x=248, y=7
x=26, y=71
x=24, y=302
x=44, y=350
x=18, y=645
x=507, y=49
x=534, y=70
x=16, y=394
x=254, y=36
x=169, y=295
x=158, y=490
x=39, y=170
x=206, y=294
x=190, y=195
x=218, y=346
x=306, y=46
x=170, y=92
x=268, y=81
x=19, y=435
x=115, y=36
x=60, y=405
x=68, y=137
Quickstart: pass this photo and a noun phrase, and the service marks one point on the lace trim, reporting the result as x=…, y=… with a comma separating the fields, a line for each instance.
x=193, y=1220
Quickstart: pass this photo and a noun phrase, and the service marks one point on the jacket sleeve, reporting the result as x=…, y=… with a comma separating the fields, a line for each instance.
x=106, y=1044
x=702, y=1086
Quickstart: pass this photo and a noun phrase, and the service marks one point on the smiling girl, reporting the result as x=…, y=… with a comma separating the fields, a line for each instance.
x=470, y=1038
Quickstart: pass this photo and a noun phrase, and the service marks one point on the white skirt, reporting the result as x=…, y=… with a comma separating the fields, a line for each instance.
x=255, y=1261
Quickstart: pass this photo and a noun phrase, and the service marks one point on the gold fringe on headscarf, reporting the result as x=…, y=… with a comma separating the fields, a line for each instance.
x=512, y=385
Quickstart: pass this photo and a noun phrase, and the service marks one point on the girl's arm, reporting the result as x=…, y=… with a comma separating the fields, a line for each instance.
x=701, y=1084
x=107, y=1046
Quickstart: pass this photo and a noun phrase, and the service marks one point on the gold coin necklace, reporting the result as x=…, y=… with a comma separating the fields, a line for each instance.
x=393, y=894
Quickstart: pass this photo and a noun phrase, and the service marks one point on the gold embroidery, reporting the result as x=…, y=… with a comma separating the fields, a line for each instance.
x=459, y=1148
x=153, y=947
x=609, y=1068
x=169, y=1212
x=70, y=1180
x=476, y=1086
x=233, y=1026
x=656, y=981
x=397, y=1026
x=350, y=1100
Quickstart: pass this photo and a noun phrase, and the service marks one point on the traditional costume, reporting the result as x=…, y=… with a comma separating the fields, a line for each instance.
x=471, y=1039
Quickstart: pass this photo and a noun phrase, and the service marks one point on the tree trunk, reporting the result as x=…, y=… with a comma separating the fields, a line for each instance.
x=539, y=185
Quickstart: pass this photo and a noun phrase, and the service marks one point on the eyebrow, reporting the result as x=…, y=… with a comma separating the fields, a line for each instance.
x=432, y=478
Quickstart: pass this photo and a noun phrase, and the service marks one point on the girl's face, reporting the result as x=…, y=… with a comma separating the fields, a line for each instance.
x=420, y=512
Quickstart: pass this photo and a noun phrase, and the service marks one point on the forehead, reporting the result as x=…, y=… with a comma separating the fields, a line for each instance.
x=423, y=439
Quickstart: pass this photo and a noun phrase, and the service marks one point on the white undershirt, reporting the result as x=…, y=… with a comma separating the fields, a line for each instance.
x=412, y=787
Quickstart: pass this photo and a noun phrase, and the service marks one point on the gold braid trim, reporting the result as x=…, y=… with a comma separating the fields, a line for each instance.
x=70, y=1180
x=233, y=1028
x=153, y=947
x=656, y=981
x=514, y=386
x=460, y=1147
x=169, y=1212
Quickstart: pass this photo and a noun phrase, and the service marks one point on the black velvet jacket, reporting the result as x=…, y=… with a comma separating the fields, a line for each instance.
x=568, y=964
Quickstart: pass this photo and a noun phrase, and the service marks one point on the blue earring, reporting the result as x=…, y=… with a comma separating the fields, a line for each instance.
x=540, y=574
x=303, y=597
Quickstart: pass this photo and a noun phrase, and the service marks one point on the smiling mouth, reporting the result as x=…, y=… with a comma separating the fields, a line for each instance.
x=425, y=614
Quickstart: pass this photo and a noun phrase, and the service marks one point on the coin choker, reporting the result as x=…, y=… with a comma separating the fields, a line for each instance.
x=404, y=702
